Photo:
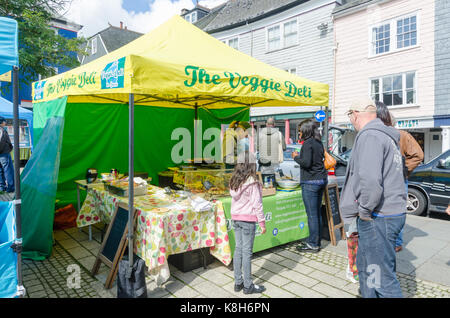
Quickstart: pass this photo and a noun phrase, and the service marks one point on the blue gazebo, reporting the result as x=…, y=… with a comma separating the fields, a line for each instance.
x=6, y=110
x=11, y=284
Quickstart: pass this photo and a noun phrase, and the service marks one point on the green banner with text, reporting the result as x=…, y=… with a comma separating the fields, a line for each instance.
x=286, y=220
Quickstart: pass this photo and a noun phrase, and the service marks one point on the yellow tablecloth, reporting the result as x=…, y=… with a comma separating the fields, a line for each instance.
x=159, y=235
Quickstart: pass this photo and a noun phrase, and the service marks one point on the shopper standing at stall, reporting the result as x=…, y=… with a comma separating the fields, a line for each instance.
x=410, y=150
x=313, y=178
x=246, y=211
x=6, y=163
x=374, y=194
x=271, y=146
x=235, y=140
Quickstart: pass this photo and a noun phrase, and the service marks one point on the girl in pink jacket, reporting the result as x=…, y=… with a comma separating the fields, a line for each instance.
x=246, y=211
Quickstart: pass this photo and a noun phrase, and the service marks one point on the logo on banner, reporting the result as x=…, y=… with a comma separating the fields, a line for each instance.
x=301, y=225
x=113, y=74
x=275, y=232
x=39, y=90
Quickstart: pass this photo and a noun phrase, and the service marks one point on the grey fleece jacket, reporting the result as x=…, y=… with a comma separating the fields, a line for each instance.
x=374, y=179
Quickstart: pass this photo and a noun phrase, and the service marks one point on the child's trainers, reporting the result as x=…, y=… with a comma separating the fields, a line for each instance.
x=254, y=289
x=238, y=288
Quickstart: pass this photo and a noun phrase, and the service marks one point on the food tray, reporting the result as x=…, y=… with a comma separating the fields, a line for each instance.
x=123, y=192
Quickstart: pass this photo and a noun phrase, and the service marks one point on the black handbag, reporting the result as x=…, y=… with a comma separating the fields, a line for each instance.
x=131, y=284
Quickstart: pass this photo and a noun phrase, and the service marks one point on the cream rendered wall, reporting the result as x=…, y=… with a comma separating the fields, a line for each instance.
x=354, y=67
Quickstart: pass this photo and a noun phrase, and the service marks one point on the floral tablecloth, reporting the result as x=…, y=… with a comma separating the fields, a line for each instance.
x=160, y=234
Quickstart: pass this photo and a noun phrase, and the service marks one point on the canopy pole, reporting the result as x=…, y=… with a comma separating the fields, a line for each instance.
x=326, y=130
x=131, y=183
x=17, y=201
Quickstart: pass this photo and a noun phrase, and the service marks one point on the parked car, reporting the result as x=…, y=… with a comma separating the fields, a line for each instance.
x=291, y=168
x=429, y=186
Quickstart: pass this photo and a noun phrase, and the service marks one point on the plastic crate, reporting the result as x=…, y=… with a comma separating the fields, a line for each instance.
x=191, y=260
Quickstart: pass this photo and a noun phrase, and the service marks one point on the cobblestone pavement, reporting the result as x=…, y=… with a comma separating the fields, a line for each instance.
x=283, y=270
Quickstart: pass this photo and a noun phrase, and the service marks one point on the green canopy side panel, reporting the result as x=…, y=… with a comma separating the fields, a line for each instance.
x=215, y=118
x=96, y=136
x=39, y=184
x=43, y=111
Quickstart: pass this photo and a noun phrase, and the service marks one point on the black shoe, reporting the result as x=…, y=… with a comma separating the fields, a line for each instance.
x=254, y=289
x=307, y=248
x=238, y=288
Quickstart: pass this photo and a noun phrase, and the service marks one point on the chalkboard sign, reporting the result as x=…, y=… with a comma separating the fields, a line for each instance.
x=114, y=243
x=333, y=214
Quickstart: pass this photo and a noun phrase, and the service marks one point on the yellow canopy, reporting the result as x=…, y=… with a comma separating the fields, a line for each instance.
x=179, y=65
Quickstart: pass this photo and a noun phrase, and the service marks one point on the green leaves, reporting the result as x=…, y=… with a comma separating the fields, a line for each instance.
x=41, y=49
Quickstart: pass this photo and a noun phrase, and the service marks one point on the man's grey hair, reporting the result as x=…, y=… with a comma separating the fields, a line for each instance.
x=270, y=121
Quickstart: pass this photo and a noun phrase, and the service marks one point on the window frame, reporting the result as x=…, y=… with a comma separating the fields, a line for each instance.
x=281, y=25
x=404, y=89
x=393, y=47
x=92, y=46
x=232, y=39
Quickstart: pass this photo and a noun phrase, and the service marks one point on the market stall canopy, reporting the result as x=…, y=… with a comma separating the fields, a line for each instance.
x=179, y=65
x=6, y=110
x=9, y=53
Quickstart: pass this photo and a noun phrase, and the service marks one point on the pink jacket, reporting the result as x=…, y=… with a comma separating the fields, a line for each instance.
x=246, y=203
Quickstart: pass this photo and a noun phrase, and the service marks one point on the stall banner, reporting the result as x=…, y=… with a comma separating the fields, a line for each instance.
x=286, y=220
x=179, y=65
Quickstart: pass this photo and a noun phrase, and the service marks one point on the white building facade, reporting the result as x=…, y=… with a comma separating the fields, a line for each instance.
x=386, y=50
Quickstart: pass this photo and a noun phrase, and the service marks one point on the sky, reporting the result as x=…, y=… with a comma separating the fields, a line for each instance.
x=138, y=15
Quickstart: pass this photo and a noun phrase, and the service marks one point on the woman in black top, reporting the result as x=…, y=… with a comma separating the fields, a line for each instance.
x=313, y=179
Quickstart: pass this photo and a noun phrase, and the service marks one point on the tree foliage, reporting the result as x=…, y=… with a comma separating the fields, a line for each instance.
x=40, y=47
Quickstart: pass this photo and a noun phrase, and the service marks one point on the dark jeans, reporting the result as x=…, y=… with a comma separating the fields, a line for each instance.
x=375, y=259
x=244, y=234
x=6, y=173
x=312, y=198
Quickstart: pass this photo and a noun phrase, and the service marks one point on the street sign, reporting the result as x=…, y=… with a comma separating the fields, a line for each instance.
x=320, y=116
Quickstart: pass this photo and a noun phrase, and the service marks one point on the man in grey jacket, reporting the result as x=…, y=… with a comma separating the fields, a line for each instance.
x=374, y=195
x=271, y=145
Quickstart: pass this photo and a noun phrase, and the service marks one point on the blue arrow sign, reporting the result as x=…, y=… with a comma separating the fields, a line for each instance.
x=320, y=116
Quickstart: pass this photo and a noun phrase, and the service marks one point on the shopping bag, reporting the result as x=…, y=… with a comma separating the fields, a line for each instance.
x=131, y=284
x=352, y=250
x=329, y=161
x=65, y=218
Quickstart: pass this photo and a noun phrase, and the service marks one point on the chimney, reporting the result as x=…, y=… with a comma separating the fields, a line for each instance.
x=121, y=24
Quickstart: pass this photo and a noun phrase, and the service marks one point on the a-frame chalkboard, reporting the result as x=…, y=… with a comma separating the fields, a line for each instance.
x=333, y=214
x=114, y=243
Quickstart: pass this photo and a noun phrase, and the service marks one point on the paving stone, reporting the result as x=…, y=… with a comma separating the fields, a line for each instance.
x=273, y=267
x=293, y=256
x=211, y=290
x=331, y=291
x=299, y=278
x=69, y=243
x=302, y=291
x=38, y=294
x=276, y=292
x=328, y=279
x=322, y=267
x=274, y=258
x=79, y=252
x=188, y=278
x=296, y=266
x=36, y=288
x=277, y=280
x=217, y=278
